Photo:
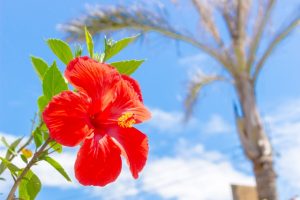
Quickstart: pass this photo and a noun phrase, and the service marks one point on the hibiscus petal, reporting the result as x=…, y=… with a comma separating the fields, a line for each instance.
x=133, y=145
x=95, y=79
x=126, y=101
x=98, y=161
x=134, y=85
x=67, y=119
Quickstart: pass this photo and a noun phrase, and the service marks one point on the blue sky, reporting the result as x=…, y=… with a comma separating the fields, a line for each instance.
x=183, y=158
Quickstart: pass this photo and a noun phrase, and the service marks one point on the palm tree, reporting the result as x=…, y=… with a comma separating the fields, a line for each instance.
x=241, y=56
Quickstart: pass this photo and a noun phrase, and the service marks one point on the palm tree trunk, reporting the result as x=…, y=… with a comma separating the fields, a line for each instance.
x=255, y=142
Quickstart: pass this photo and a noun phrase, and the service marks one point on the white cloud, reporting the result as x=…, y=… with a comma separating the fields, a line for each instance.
x=165, y=120
x=125, y=186
x=193, y=178
x=192, y=60
x=283, y=124
x=199, y=65
x=193, y=174
x=216, y=124
x=43, y=170
x=286, y=112
x=9, y=138
x=172, y=121
x=289, y=166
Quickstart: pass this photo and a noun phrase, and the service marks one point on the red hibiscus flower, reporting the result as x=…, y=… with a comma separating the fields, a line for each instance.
x=100, y=115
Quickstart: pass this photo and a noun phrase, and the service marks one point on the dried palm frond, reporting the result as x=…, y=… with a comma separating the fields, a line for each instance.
x=262, y=19
x=197, y=82
x=279, y=36
x=105, y=19
x=207, y=20
x=108, y=19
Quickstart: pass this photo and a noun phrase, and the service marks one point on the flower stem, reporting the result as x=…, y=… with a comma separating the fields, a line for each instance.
x=28, y=142
x=35, y=157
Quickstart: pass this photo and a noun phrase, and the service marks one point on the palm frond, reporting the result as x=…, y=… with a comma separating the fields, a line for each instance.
x=278, y=38
x=197, y=82
x=106, y=19
x=262, y=19
x=207, y=20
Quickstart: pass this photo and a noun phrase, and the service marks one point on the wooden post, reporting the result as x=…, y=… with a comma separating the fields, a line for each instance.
x=241, y=192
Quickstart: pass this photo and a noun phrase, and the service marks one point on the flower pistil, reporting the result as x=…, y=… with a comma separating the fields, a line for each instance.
x=126, y=120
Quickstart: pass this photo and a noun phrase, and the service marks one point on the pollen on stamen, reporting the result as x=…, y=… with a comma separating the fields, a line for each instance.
x=126, y=120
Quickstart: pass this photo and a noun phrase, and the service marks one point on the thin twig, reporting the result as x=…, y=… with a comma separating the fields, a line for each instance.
x=29, y=140
x=26, y=169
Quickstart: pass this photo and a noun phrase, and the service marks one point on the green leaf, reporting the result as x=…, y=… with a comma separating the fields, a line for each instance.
x=53, y=82
x=2, y=167
x=40, y=66
x=12, y=147
x=57, y=166
x=55, y=146
x=45, y=134
x=78, y=51
x=12, y=168
x=44, y=128
x=38, y=137
x=3, y=140
x=42, y=103
x=97, y=57
x=29, y=186
x=43, y=154
x=15, y=143
x=108, y=42
x=101, y=57
x=10, y=151
x=89, y=42
x=128, y=66
x=61, y=49
x=24, y=158
x=112, y=49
